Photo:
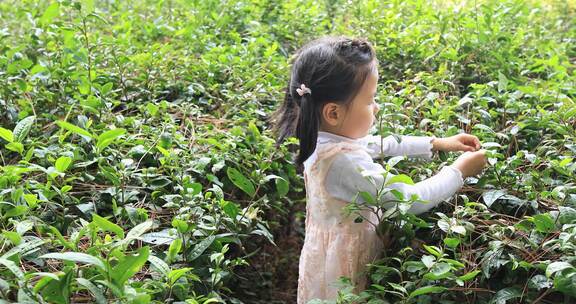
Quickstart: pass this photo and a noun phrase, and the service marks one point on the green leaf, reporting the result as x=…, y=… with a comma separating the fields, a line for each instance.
x=13, y=236
x=201, y=247
x=84, y=87
x=108, y=137
x=60, y=238
x=428, y=261
x=539, y=282
x=556, y=267
x=433, y=250
x=96, y=292
x=31, y=200
x=55, y=290
x=439, y=271
x=484, y=128
x=76, y=257
x=544, y=223
x=106, y=225
x=453, y=263
x=129, y=266
x=115, y=290
x=458, y=229
x=16, y=211
x=241, y=181
x=74, y=129
x=502, y=82
x=62, y=163
x=490, y=197
x=152, y=109
x=159, y=264
x=398, y=287
x=180, y=225
x=50, y=12
x=12, y=267
x=282, y=186
x=400, y=178
x=469, y=276
x=426, y=290
x=174, y=249
x=87, y=7
x=106, y=88
x=6, y=135
x=368, y=197
x=506, y=294
x=38, y=68
x=175, y=274
x=65, y=189
x=567, y=215
x=230, y=208
x=254, y=130
x=440, y=268
x=136, y=232
x=139, y=229
x=24, y=249
x=23, y=127
x=159, y=182
x=46, y=274
x=158, y=238
x=451, y=242
x=16, y=147
x=91, y=103
x=415, y=266
x=565, y=284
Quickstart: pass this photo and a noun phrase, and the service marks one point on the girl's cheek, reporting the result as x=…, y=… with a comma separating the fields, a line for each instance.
x=370, y=119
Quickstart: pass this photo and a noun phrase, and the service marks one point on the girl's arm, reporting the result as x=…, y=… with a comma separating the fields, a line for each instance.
x=348, y=174
x=413, y=146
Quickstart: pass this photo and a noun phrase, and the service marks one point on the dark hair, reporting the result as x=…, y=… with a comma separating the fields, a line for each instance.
x=334, y=69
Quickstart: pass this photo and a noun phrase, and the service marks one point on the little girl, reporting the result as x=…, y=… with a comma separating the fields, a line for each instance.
x=329, y=106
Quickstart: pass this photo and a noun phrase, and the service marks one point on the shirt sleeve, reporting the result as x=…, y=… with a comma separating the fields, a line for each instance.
x=412, y=146
x=351, y=173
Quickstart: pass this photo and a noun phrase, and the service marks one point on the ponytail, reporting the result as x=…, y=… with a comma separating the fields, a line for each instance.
x=299, y=118
x=307, y=127
x=285, y=118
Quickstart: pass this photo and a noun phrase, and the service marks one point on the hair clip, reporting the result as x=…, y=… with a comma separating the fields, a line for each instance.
x=303, y=90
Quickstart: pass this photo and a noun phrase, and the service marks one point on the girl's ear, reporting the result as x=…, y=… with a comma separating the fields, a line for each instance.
x=331, y=113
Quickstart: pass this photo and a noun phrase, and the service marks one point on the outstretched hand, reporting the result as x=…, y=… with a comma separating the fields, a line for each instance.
x=461, y=142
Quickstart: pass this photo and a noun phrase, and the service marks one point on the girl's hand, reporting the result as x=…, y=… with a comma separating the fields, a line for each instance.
x=471, y=163
x=461, y=142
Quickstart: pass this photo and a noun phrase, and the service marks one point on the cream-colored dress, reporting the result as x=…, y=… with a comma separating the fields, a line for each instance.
x=335, y=245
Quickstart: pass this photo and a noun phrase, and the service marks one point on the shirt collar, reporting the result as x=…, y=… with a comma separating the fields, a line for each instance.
x=326, y=137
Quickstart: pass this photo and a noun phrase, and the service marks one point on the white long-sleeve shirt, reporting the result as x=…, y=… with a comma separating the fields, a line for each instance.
x=352, y=172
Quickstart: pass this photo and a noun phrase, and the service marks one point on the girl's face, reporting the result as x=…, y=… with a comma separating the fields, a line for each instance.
x=356, y=119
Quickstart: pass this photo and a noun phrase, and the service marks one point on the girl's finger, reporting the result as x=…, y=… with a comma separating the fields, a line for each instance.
x=468, y=148
x=468, y=142
x=473, y=142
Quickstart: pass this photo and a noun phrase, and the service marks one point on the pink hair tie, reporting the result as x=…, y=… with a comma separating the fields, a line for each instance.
x=303, y=90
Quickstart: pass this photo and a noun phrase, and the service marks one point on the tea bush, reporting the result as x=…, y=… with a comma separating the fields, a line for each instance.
x=138, y=165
